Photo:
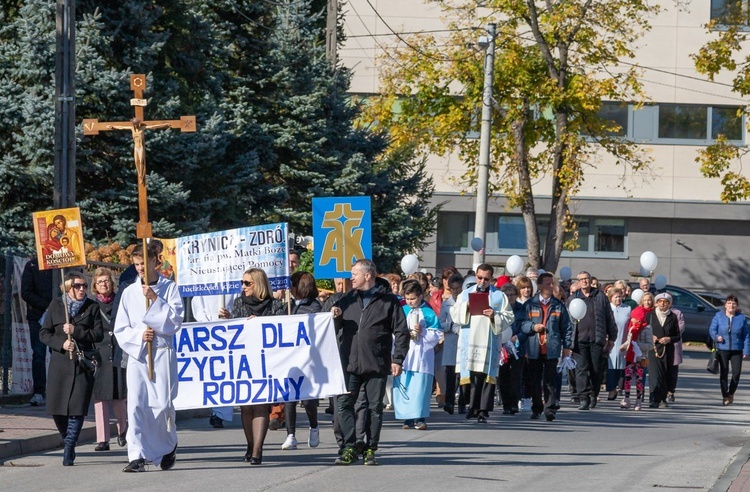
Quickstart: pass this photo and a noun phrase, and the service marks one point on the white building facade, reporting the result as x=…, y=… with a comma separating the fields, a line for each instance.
x=674, y=211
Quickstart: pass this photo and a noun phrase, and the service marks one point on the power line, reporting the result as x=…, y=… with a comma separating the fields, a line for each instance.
x=410, y=45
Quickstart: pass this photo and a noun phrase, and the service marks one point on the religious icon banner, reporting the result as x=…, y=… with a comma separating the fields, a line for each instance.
x=255, y=361
x=213, y=263
x=342, y=234
x=59, y=238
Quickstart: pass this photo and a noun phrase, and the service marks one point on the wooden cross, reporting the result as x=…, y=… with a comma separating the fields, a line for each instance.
x=138, y=127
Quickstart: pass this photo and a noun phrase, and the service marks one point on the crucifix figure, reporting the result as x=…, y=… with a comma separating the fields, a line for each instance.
x=139, y=140
x=138, y=127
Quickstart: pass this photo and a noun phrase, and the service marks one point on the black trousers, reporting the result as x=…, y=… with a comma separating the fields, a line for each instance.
x=450, y=385
x=374, y=388
x=543, y=378
x=38, y=358
x=290, y=414
x=726, y=357
x=482, y=395
x=588, y=357
x=509, y=383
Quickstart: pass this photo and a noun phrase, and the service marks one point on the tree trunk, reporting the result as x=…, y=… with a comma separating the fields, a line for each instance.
x=528, y=210
x=559, y=208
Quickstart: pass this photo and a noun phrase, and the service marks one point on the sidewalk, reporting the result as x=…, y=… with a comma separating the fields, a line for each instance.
x=25, y=429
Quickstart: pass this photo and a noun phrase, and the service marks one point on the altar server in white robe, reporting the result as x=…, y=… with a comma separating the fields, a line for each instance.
x=152, y=433
x=480, y=341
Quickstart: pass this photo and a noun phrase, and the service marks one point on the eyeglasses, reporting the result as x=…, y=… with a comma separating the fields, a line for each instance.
x=664, y=301
x=581, y=279
x=484, y=278
x=247, y=284
x=80, y=286
x=102, y=282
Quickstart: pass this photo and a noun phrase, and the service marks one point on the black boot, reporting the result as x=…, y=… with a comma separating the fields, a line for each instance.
x=75, y=424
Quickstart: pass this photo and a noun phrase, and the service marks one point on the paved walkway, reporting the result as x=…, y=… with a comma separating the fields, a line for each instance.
x=25, y=429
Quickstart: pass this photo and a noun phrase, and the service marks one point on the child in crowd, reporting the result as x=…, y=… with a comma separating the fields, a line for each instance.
x=413, y=388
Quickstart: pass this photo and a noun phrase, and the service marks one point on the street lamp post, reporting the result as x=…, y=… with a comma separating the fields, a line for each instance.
x=483, y=170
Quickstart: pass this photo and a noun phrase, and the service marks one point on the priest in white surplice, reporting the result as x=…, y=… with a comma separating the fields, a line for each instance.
x=152, y=433
x=480, y=341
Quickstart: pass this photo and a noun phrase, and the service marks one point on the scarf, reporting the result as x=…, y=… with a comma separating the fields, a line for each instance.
x=662, y=316
x=74, y=306
x=105, y=299
x=256, y=306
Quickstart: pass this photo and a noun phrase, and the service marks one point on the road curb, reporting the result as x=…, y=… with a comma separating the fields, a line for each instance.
x=733, y=471
x=48, y=442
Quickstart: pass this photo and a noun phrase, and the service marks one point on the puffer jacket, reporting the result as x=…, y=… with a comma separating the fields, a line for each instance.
x=366, y=334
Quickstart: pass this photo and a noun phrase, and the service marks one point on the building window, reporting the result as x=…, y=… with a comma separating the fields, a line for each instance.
x=453, y=231
x=596, y=236
x=682, y=121
x=615, y=113
x=609, y=235
x=726, y=121
x=729, y=12
x=511, y=232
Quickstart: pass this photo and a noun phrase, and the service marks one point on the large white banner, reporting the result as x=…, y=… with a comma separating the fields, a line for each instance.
x=271, y=359
x=213, y=263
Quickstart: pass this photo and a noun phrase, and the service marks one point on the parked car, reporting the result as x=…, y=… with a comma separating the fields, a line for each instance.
x=713, y=297
x=696, y=311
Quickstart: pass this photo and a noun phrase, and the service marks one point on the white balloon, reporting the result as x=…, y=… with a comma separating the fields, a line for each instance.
x=409, y=264
x=514, y=265
x=534, y=288
x=649, y=261
x=477, y=244
x=565, y=273
x=577, y=309
x=637, y=295
x=660, y=282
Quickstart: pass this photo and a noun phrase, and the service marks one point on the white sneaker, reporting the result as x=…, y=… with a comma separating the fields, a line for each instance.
x=37, y=400
x=290, y=443
x=314, y=438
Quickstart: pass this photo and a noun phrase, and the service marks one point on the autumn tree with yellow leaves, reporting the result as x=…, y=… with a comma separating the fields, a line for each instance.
x=728, y=51
x=555, y=62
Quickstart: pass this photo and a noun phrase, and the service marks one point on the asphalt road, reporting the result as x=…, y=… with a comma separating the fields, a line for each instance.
x=685, y=447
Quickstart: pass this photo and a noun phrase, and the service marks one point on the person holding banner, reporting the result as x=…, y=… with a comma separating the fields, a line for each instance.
x=256, y=300
x=373, y=342
x=73, y=323
x=305, y=294
x=152, y=430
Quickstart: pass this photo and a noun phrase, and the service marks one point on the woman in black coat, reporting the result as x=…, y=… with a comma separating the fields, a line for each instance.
x=110, y=386
x=256, y=299
x=666, y=332
x=69, y=385
x=305, y=294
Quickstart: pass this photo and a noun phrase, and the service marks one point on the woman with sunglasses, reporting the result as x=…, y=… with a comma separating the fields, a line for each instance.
x=731, y=335
x=256, y=300
x=69, y=384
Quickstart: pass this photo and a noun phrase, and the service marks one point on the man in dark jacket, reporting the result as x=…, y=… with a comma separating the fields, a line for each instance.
x=593, y=338
x=369, y=321
x=550, y=334
x=36, y=291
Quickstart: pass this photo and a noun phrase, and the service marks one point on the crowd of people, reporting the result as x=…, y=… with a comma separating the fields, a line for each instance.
x=474, y=341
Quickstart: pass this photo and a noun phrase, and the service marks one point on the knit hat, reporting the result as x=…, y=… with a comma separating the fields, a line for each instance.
x=664, y=295
x=502, y=280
